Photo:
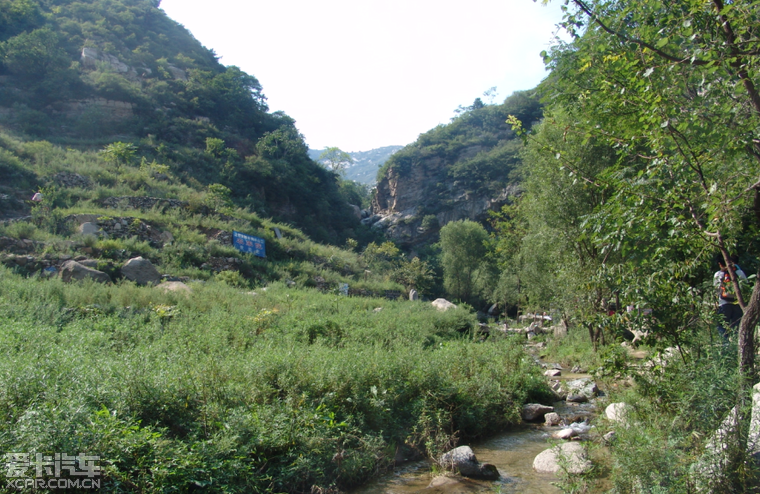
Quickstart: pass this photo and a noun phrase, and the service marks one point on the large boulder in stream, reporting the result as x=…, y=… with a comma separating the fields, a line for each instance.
x=571, y=455
x=463, y=460
x=535, y=411
x=452, y=485
x=584, y=387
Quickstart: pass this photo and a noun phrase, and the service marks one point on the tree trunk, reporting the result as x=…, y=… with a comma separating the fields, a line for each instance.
x=747, y=334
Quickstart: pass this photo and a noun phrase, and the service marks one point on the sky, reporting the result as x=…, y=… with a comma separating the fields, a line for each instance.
x=363, y=74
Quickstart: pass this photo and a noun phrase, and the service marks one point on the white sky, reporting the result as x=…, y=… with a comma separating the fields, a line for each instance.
x=362, y=74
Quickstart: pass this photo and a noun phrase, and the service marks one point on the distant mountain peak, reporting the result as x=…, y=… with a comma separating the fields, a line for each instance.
x=366, y=163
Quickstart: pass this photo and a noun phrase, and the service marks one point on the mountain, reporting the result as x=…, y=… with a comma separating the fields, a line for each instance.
x=366, y=163
x=456, y=171
x=86, y=74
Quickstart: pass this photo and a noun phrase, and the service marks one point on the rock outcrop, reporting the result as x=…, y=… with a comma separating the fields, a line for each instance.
x=401, y=200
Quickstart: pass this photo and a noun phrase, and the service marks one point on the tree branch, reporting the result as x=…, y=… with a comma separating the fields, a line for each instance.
x=587, y=10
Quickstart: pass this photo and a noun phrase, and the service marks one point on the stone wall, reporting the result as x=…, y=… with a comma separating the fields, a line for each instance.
x=143, y=203
x=123, y=227
x=111, y=110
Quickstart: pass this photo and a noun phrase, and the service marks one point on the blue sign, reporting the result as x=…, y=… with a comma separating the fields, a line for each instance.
x=248, y=243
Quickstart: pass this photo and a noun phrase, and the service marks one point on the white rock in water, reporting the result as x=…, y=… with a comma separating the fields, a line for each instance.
x=574, y=456
x=566, y=433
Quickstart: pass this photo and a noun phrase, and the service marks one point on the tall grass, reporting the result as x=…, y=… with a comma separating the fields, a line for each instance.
x=227, y=391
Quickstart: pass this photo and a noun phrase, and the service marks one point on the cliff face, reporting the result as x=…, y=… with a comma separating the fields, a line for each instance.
x=454, y=172
x=412, y=208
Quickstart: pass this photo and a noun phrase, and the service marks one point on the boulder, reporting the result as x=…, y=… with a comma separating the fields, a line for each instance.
x=80, y=219
x=576, y=398
x=72, y=271
x=584, y=386
x=141, y=271
x=89, y=228
x=452, y=485
x=463, y=460
x=572, y=456
x=442, y=304
x=615, y=412
x=552, y=419
x=535, y=411
x=566, y=434
x=413, y=295
x=553, y=373
x=753, y=440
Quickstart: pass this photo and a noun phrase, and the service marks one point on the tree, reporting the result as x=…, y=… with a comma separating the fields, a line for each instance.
x=119, y=153
x=336, y=160
x=415, y=274
x=541, y=242
x=673, y=87
x=463, y=249
x=36, y=54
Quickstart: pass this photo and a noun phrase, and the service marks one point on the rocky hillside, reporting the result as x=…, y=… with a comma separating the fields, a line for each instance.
x=455, y=171
x=119, y=74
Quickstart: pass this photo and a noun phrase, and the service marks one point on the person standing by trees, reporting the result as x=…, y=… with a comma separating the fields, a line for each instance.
x=729, y=311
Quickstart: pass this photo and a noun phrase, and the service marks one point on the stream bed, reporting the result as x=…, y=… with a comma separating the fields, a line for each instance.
x=511, y=452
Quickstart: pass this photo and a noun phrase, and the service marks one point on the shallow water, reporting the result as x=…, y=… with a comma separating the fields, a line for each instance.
x=511, y=452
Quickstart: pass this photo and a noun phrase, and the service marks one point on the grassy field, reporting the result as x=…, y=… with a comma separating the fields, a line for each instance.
x=225, y=390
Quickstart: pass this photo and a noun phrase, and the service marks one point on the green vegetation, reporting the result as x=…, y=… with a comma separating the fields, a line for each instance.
x=625, y=173
x=121, y=77
x=284, y=390
x=463, y=246
x=336, y=160
x=644, y=168
x=478, y=150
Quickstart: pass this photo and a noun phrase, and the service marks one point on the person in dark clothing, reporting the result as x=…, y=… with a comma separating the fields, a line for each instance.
x=729, y=311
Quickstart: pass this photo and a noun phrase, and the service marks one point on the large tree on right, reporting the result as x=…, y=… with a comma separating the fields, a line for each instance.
x=673, y=87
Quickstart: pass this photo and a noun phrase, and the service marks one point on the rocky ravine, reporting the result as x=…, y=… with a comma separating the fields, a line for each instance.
x=404, y=199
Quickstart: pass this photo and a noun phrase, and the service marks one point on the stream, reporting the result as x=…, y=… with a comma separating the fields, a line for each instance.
x=512, y=452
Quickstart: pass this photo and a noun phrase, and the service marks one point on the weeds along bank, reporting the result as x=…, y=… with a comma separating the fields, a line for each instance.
x=676, y=400
x=233, y=392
